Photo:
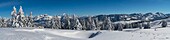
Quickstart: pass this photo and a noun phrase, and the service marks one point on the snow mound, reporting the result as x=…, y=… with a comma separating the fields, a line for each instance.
x=39, y=34
x=71, y=33
x=64, y=33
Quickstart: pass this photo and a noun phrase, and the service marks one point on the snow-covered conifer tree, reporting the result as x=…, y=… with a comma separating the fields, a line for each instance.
x=66, y=22
x=73, y=22
x=93, y=25
x=30, y=20
x=21, y=17
x=4, y=24
x=83, y=22
x=109, y=24
x=58, y=22
x=1, y=23
x=97, y=24
x=54, y=26
x=90, y=24
x=120, y=26
x=78, y=26
x=13, y=14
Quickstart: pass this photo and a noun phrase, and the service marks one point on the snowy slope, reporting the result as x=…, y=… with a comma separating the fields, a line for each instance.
x=145, y=34
x=52, y=34
x=35, y=34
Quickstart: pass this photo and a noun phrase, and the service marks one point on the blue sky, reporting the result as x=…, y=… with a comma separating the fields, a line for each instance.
x=84, y=7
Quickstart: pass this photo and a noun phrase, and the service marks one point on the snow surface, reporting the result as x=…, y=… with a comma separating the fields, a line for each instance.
x=144, y=34
x=52, y=34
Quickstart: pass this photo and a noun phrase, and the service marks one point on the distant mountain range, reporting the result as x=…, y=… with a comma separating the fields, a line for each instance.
x=118, y=17
x=134, y=16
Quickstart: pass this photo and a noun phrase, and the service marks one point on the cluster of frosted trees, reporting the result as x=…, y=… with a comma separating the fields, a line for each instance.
x=71, y=22
x=18, y=19
x=77, y=23
x=87, y=23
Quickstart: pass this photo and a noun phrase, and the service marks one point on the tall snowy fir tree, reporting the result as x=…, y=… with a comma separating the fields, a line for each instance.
x=47, y=19
x=75, y=23
x=78, y=25
x=56, y=24
x=53, y=23
x=90, y=23
x=65, y=22
x=98, y=27
x=120, y=26
x=14, y=14
x=1, y=22
x=30, y=20
x=21, y=18
x=107, y=24
x=83, y=22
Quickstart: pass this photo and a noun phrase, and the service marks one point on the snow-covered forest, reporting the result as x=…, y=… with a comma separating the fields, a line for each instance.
x=135, y=26
x=74, y=22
